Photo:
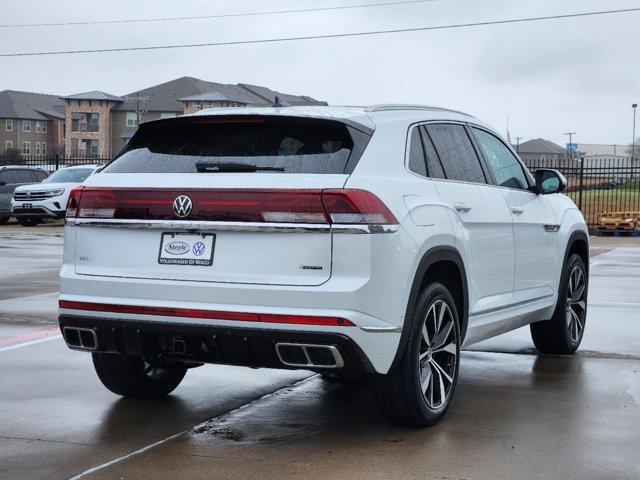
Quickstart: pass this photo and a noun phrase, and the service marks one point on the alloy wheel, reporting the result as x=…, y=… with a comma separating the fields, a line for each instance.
x=576, y=304
x=438, y=354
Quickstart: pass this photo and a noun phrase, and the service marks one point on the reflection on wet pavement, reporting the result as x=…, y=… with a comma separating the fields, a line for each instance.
x=515, y=414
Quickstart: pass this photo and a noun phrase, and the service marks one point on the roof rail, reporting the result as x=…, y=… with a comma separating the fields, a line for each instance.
x=400, y=106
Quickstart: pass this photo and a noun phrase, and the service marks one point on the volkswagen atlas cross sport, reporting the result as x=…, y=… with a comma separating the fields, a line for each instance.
x=360, y=243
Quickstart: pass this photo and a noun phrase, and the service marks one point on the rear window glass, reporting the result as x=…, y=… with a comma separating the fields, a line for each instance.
x=295, y=145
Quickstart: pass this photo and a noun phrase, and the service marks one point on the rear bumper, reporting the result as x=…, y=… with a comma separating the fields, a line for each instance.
x=253, y=347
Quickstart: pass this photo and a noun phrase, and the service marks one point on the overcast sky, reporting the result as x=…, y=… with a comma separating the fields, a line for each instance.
x=551, y=77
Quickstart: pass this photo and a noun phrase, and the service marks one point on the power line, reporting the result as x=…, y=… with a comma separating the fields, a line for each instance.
x=206, y=17
x=317, y=37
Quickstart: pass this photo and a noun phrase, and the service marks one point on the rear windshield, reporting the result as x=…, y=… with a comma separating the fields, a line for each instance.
x=282, y=144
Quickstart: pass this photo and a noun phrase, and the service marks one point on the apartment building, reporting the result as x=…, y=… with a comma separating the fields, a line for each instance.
x=31, y=124
x=100, y=124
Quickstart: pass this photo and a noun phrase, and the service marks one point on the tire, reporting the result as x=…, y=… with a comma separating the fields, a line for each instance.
x=4, y=220
x=28, y=221
x=399, y=395
x=562, y=334
x=125, y=375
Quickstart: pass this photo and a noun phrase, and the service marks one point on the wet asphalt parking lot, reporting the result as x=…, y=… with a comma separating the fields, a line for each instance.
x=515, y=415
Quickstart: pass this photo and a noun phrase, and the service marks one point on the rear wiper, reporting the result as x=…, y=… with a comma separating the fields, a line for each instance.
x=203, y=167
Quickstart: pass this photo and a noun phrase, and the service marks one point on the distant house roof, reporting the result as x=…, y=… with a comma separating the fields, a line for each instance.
x=540, y=146
x=268, y=96
x=212, y=96
x=168, y=96
x=30, y=106
x=94, y=95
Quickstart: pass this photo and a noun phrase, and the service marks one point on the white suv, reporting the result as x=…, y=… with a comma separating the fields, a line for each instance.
x=33, y=203
x=360, y=243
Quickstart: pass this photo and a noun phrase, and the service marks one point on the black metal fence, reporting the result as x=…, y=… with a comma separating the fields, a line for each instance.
x=598, y=184
x=51, y=163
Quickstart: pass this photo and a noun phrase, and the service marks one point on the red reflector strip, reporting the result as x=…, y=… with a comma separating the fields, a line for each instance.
x=207, y=314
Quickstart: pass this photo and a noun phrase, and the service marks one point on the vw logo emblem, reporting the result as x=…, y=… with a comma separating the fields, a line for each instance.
x=198, y=248
x=182, y=206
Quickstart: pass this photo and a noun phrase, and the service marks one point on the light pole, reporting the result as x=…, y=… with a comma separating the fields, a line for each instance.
x=518, y=144
x=633, y=141
x=570, y=141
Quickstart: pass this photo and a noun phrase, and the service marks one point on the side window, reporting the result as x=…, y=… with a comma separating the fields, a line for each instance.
x=6, y=176
x=416, y=154
x=23, y=176
x=434, y=167
x=40, y=175
x=459, y=159
x=505, y=167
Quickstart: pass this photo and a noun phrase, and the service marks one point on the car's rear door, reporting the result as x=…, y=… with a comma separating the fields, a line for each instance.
x=480, y=216
x=534, y=223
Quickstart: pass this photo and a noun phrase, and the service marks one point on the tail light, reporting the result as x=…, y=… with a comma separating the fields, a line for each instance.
x=330, y=206
x=73, y=202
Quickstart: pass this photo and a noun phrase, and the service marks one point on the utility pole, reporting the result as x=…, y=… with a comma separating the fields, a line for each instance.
x=518, y=144
x=633, y=141
x=571, y=134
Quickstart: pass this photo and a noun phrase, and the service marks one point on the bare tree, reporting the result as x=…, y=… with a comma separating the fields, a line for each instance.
x=635, y=152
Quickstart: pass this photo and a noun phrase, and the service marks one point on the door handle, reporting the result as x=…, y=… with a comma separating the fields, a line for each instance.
x=461, y=207
x=517, y=210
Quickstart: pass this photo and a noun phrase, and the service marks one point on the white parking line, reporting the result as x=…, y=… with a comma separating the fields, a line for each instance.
x=185, y=431
x=27, y=344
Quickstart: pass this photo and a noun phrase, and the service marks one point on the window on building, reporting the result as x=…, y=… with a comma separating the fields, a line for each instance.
x=44, y=148
x=38, y=148
x=44, y=127
x=8, y=145
x=93, y=121
x=93, y=147
x=132, y=119
x=26, y=148
x=167, y=114
x=8, y=125
x=26, y=125
x=38, y=127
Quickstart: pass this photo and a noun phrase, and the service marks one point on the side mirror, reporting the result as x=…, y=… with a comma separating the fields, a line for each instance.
x=550, y=181
x=2, y=183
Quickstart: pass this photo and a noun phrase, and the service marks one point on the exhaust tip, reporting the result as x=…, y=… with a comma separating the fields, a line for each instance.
x=306, y=355
x=80, y=338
